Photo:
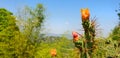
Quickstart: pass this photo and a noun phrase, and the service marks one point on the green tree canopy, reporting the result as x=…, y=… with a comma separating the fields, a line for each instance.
x=8, y=29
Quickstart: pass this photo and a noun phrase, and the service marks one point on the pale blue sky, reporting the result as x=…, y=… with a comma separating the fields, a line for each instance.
x=64, y=15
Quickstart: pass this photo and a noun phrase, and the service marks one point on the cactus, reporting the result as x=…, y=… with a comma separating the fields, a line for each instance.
x=86, y=45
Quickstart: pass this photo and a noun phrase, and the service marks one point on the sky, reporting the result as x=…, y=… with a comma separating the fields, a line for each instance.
x=64, y=15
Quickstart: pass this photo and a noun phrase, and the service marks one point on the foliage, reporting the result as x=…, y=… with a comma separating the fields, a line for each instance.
x=16, y=43
x=116, y=33
x=31, y=27
x=8, y=32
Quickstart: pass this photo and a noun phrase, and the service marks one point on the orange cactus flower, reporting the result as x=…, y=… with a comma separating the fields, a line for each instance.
x=85, y=14
x=75, y=36
x=53, y=52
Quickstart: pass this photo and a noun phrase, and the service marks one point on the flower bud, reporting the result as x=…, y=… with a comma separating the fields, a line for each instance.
x=85, y=14
x=53, y=52
x=75, y=36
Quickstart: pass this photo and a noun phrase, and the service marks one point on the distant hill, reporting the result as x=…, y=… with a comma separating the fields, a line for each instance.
x=66, y=35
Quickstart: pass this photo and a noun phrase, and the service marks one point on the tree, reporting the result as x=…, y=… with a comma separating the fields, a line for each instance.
x=8, y=29
x=31, y=21
x=116, y=31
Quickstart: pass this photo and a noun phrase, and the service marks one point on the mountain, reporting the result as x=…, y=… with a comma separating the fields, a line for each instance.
x=59, y=35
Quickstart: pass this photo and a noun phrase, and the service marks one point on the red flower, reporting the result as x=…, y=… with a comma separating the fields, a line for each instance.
x=85, y=14
x=75, y=36
x=53, y=52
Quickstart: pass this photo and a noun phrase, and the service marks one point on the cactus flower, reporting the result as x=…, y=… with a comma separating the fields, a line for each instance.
x=75, y=36
x=85, y=14
x=53, y=52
